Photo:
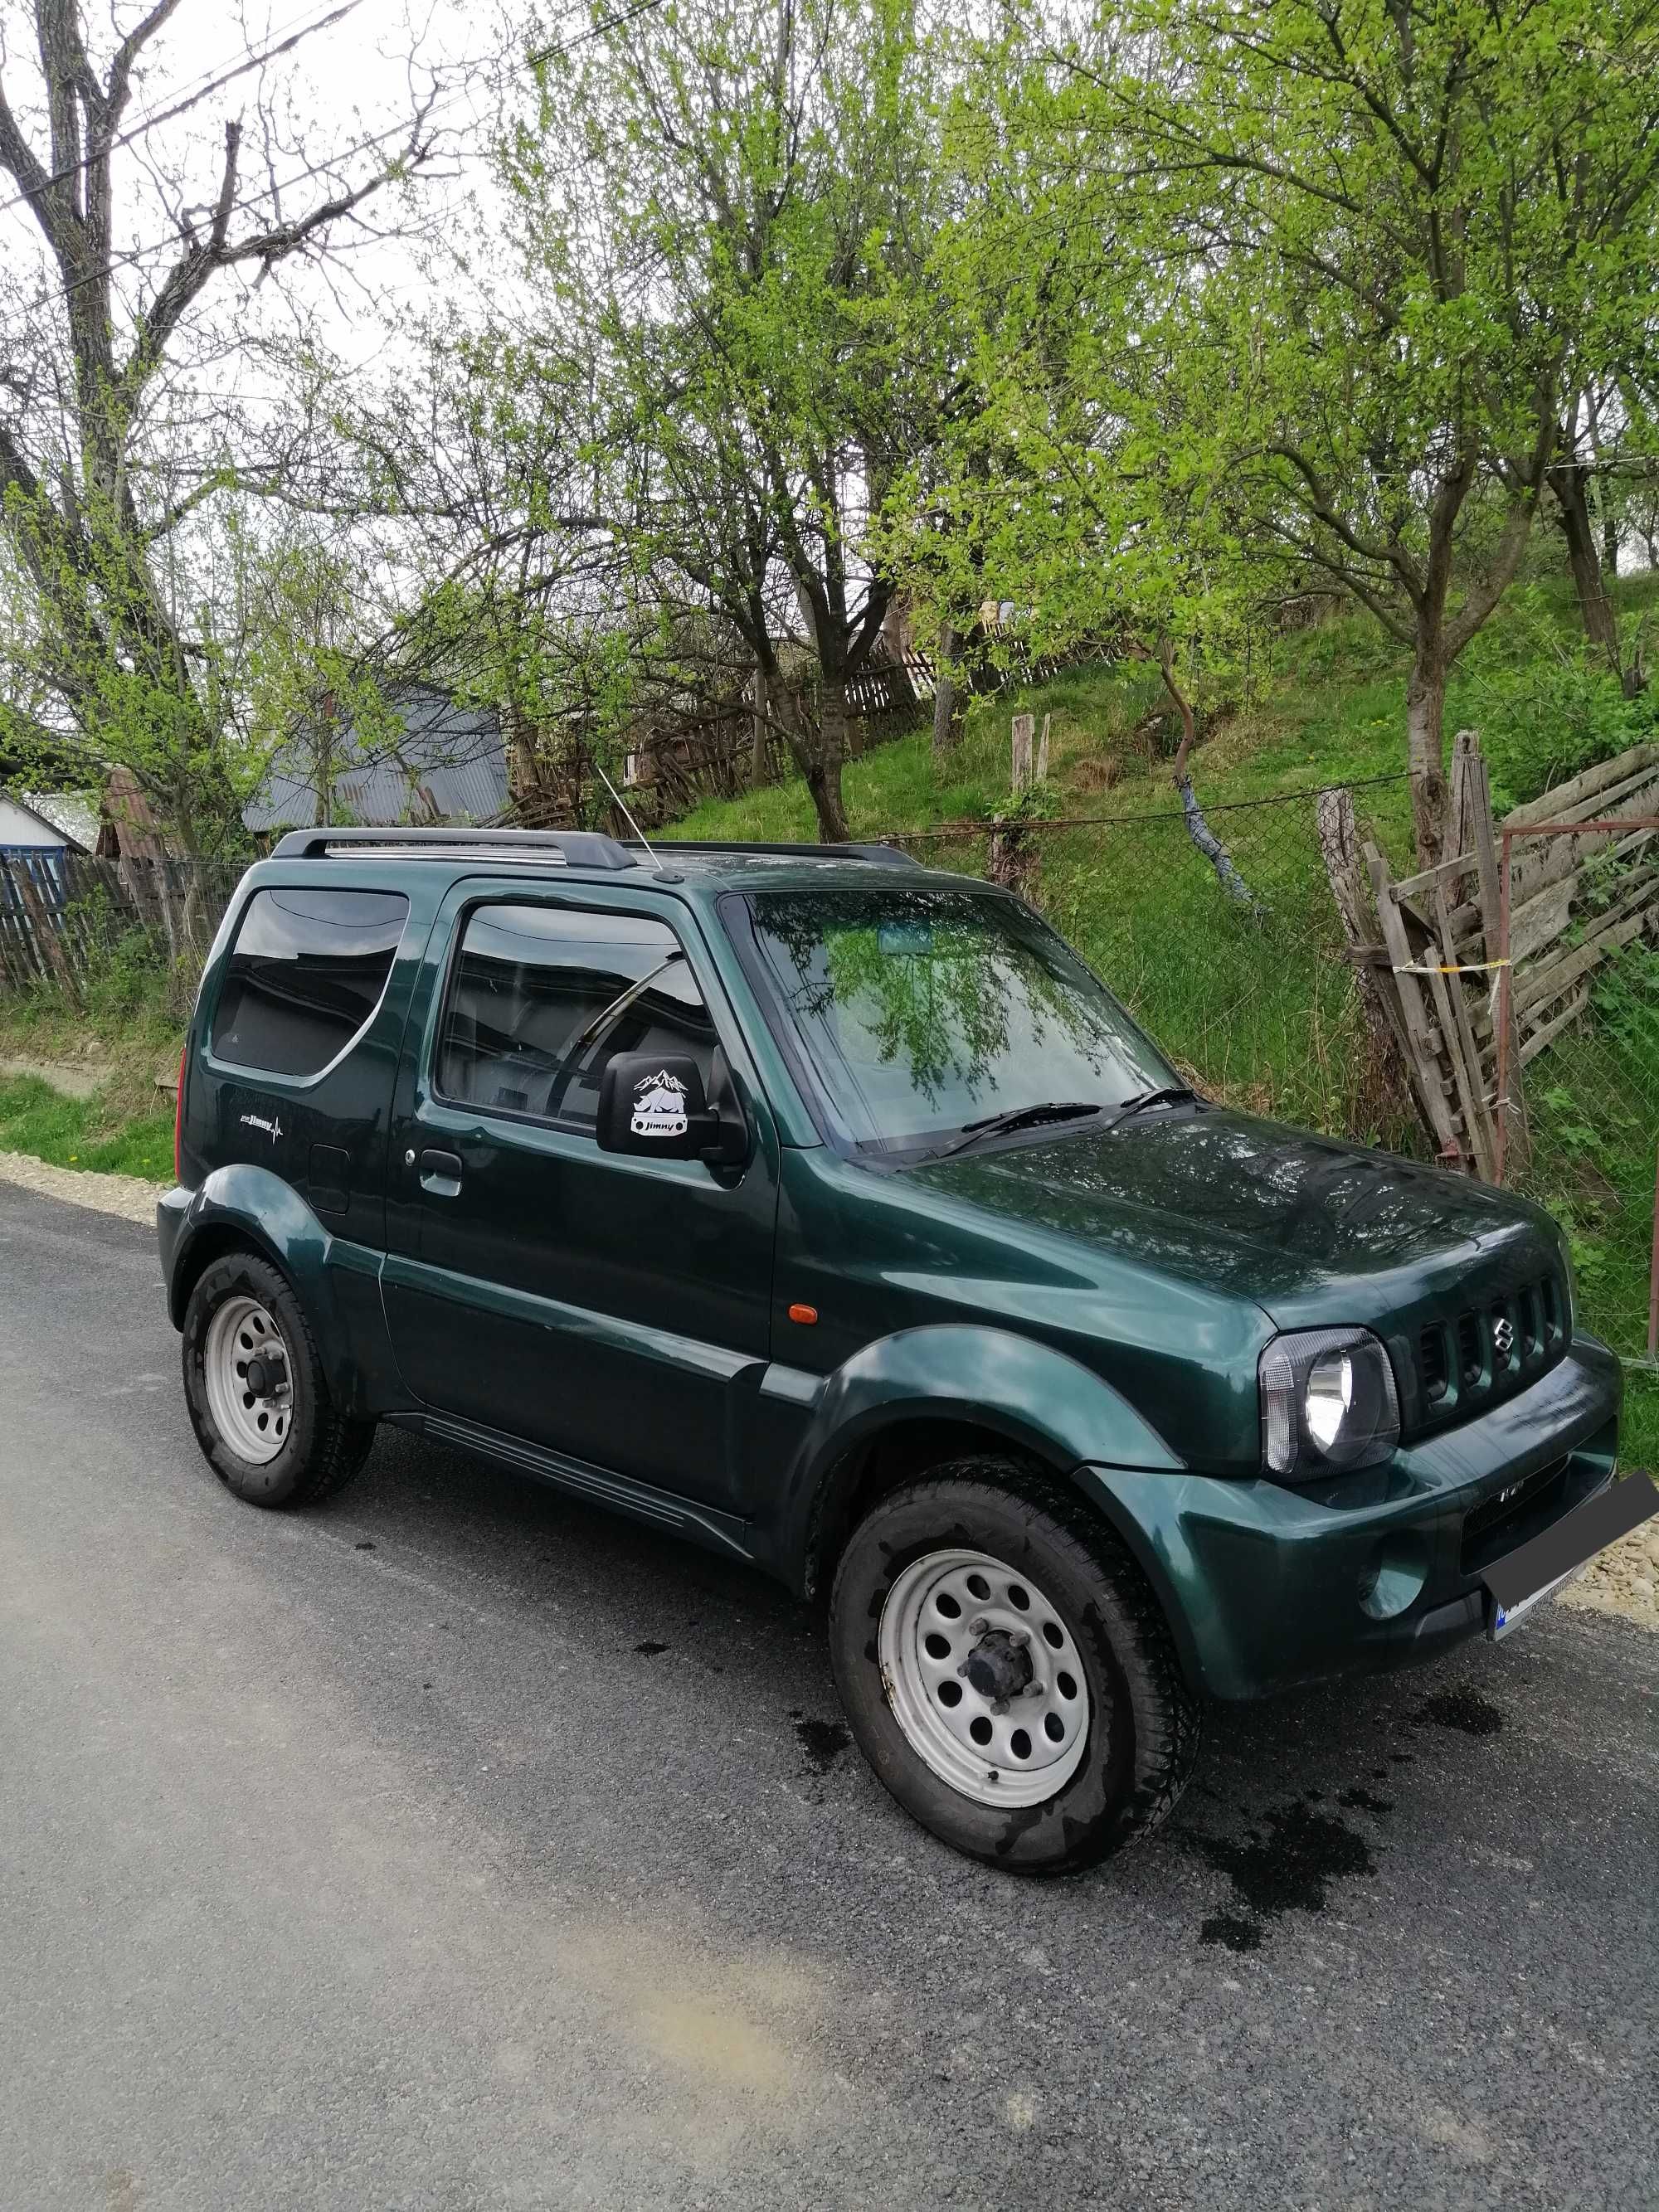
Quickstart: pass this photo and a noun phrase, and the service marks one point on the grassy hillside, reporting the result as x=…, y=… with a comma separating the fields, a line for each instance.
x=1259, y=1006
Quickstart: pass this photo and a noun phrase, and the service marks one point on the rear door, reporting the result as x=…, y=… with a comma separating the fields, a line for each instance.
x=614, y=1311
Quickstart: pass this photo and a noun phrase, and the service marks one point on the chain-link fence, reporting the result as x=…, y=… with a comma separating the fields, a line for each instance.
x=1221, y=934
x=1256, y=990
x=1234, y=959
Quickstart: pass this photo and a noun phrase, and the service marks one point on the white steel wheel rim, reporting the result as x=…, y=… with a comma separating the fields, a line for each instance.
x=255, y=1412
x=1016, y=1749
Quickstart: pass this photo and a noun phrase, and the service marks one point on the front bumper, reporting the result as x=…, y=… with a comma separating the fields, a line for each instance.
x=1266, y=1588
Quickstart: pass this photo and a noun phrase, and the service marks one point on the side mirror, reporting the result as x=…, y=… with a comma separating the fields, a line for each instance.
x=652, y=1105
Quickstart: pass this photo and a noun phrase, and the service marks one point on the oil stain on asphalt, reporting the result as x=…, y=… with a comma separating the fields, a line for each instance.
x=1461, y=1708
x=1230, y=1928
x=1361, y=1800
x=1286, y=1866
x=823, y=1742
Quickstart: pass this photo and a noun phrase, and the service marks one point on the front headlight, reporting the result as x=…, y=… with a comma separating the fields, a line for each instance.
x=1329, y=1403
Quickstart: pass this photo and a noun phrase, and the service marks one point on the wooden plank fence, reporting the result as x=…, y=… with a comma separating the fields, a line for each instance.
x=62, y=914
x=1448, y=933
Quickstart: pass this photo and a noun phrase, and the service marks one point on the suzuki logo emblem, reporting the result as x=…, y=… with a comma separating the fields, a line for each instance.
x=1503, y=1336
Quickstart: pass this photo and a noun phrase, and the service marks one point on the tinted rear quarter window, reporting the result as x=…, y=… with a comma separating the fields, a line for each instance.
x=305, y=974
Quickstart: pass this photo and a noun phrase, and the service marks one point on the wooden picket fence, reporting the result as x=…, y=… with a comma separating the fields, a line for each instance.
x=62, y=913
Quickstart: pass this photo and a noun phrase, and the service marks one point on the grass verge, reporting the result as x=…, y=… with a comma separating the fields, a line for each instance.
x=98, y=1134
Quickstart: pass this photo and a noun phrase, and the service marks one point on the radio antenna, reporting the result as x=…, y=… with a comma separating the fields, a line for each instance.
x=622, y=803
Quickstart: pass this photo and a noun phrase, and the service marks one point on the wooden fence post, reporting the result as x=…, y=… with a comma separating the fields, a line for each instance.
x=1024, y=730
x=1013, y=860
x=1425, y=1036
x=1482, y=835
x=1339, y=845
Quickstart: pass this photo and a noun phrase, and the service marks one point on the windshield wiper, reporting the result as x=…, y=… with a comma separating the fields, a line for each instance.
x=1172, y=1094
x=1020, y=1117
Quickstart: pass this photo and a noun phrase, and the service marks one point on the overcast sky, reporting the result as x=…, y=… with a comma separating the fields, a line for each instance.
x=351, y=81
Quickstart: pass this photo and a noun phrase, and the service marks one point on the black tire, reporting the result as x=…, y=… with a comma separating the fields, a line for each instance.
x=1145, y=1723
x=323, y=1449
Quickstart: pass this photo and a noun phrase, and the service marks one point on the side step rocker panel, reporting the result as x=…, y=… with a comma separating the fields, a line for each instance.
x=703, y=1524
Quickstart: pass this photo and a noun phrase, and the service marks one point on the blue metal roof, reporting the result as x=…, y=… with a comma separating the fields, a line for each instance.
x=448, y=765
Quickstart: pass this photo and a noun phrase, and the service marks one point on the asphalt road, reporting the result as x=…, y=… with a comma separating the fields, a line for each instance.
x=453, y=1846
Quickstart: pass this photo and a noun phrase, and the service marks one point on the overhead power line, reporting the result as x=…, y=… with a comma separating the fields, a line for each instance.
x=318, y=168
x=613, y=23
x=152, y=119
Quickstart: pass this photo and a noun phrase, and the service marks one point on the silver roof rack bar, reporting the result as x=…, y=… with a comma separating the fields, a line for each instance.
x=891, y=856
x=576, y=848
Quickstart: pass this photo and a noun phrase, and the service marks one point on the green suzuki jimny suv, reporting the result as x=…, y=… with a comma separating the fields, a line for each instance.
x=827, y=1209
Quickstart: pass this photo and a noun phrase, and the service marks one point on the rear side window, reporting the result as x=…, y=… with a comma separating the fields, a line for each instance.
x=305, y=974
x=525, y=1028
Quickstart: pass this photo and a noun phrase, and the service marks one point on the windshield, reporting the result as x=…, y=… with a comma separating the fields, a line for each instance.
x=922, y=1012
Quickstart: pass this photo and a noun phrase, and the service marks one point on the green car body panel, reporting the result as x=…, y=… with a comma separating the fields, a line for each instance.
x=1095, y=1301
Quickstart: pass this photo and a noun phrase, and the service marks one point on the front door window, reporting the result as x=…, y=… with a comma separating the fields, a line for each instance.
x=543, y=996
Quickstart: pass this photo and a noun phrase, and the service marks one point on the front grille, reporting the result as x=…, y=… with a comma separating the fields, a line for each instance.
x=1471, y=1353
x=1483, y=1529
x=1431, y=1364
x=1489, y=1349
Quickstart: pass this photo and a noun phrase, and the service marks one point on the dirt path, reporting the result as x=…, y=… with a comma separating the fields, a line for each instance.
x=81, y=1083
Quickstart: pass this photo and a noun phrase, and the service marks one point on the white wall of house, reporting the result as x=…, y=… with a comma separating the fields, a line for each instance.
x=19, y=827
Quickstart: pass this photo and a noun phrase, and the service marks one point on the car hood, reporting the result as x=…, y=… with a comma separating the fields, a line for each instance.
x=1273, y=1213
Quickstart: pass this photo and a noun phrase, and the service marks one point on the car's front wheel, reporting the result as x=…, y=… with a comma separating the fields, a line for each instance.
x=1007, y=1671
x=258, y=1396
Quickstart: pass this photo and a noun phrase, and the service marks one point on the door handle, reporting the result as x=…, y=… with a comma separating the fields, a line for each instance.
x=441, y=1173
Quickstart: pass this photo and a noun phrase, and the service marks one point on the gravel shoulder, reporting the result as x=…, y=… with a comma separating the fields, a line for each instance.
x=128, y=1196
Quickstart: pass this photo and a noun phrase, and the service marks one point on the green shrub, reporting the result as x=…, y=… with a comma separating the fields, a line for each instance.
x=1546, y=719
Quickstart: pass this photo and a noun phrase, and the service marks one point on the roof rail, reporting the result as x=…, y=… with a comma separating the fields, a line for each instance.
x=575, y=848
x=891, y=856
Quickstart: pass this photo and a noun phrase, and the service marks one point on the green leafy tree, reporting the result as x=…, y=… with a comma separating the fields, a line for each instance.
x=735, y=233
x=118, y=430
x=1090, y=481
x=1426, y=226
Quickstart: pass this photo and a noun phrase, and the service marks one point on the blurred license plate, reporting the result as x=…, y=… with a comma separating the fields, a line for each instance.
x=1525, y=1577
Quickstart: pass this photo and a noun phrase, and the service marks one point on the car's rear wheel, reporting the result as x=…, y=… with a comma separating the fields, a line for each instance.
x=258, y=1399
x=1008, y=1671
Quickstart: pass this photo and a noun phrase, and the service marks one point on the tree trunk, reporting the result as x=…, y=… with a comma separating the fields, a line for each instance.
x=947, y=706
x=1567, y=481
x=1426, y=742
x=824, y=764
x=1197, y=828
x=1213, y=850
x=759, y=761
x=1013, y=861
